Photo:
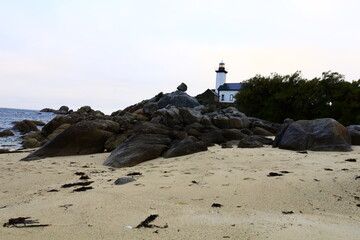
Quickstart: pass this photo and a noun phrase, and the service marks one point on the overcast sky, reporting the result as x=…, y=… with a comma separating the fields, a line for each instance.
x=113, y=53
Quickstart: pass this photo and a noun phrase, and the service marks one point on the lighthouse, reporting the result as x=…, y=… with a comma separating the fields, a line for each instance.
x=220, y=76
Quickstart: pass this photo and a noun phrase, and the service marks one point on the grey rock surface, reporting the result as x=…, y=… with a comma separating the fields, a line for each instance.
x=323, y=134
x=354, y=131
x=138, y=148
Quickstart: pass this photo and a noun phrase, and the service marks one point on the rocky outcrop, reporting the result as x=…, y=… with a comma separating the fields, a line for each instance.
x=177, y=99
x=185, y=146
x=57, y=131
x=86, y=137
x=62, y=110
x=25, y=126
x=257, y=124
x=115, y=140
x=354, y=131
x=56, y=122
x=318, y=135
x=138, y=148
x=6, y=133
x=213, y=137
x=47, y=110
x=33, y=140
x=167, y=125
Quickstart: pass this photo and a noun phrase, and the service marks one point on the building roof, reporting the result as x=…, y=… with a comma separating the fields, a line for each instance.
x=230, y=87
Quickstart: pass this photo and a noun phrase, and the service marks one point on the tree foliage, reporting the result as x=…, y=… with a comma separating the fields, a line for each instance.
x=278, y=97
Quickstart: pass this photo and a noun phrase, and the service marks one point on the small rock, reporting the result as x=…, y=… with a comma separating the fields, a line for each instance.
x=182, y=87
x=124, y=180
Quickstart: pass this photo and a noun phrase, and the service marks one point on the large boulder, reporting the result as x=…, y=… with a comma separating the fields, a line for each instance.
x=55, y=123
x=25, y=126
x=354, y=131
x=254, y=141
x=261, y=131
x=189, y=115
x=47, y=110
x=82, y=138
x=85, y=110
x=168, y=116
x=140, y=115
x=37, y=135
x=31, y=143
x=273, y=128
x=115, y=141
x=62, y=110
x=195, y=129
x=57, y=131
x=185, y=146
x=107, y=125
x=150, y=107
x=126, y=121
x=226, y=112
x=177, y=99
x=231, y=122
x=138, y=148
x=6, y=133
x=151, y=127
x=214, y=136
x=182, y=87
x=324, y=134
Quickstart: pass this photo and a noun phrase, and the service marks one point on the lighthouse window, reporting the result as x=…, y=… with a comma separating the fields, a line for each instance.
x=222, y=97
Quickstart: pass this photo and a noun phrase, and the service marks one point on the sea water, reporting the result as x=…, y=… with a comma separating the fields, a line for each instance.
x=7, y=118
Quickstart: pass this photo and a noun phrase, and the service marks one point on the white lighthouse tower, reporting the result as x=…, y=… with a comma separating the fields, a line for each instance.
x=220, y=75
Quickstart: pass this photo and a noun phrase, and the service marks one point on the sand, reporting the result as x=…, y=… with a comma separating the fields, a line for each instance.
x=320, y=194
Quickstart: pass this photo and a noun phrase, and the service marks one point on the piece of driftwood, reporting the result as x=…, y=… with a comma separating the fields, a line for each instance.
x=23, y=222
x=148, y=220
x=82, y=189
x=134, y=174
x=350, y=160
x=274, y=174
x=68, y=185
x=287, y=212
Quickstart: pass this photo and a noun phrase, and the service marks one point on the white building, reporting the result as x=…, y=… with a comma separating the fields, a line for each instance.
x=225, y=91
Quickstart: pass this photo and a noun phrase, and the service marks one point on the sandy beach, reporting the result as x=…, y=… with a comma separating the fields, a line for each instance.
x=317, y=196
